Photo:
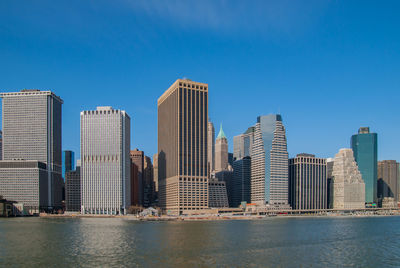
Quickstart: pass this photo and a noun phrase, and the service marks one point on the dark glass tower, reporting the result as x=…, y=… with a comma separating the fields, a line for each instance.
x=68, y=161
x=365, y=149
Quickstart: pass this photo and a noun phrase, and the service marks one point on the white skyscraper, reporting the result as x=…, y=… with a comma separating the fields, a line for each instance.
x=269, y=162
x=105, y=171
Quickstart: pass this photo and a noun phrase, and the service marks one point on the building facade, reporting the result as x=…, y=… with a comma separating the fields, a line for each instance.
x=25, y=181
x=243, y=143
x=241, y=182
x=137, y=158
x=68, y=161
x=210, y=147
x=32, y=131
x=148, y=187
x=155, y=178
x=307, y=182
x=1, y=145
x=221, y=151
x=182, y=147
x=218, y=197
x=388, y=179
x=73, y=190
x=365, y=149
x=269, y=162
x=348, y=188
x=105, y=161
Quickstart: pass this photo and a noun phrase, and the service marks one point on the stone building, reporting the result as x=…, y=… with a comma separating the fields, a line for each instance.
x=348, y=188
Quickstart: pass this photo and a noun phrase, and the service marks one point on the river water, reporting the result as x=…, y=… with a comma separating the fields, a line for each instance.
x=273, y=242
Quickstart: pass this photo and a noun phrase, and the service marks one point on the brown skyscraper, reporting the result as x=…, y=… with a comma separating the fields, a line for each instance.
x=137, y=168
x=388, y=179
x=182, y=147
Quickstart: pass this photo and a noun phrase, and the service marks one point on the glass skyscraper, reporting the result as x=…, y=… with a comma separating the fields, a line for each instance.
x=68, y=162
x=365, y=149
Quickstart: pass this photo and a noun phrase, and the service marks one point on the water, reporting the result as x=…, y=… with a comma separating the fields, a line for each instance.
x=274, y=242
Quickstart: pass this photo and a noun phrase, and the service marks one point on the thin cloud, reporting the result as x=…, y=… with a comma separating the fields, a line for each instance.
x=222, y=15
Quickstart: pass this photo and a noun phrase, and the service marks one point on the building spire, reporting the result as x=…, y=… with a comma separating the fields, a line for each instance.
x=221, y=133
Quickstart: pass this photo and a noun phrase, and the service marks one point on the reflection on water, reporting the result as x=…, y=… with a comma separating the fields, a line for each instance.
x=275, y=242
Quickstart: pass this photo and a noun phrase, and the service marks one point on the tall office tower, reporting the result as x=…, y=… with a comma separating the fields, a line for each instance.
x=365, y=149
x=230, y=159
x=105, y=171
x=1, y=145
x=137, y=158
x=388, y=179
x=155, y=177
x=221, y=151
x=240, y=189
x=227, y=177
x=148, y=182
x=307, y=182
x=269, y=162
x=182, y=147
x=329, y=191
x=32, y=131
x=242, y=144
x=68, y=161
x=348, y=188
x=210, y=147
x=73, y=190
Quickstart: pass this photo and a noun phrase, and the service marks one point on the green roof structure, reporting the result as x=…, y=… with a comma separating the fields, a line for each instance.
x=221, y=134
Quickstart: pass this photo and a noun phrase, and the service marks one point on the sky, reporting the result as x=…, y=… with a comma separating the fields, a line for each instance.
x=329, y=67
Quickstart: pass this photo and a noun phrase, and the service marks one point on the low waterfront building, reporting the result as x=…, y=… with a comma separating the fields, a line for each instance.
x=217, y=194
x=26, y=182
x=307, y=182
x=348, y=188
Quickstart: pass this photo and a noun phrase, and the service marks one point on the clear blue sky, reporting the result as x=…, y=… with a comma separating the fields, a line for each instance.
x=328, y=67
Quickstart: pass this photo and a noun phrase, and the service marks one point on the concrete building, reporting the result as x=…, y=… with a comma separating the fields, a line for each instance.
x=221, y=151
x=32, y=131
x=182, y=147
x=155, y=177
x=243, y=143
x=269, y=162
x=388, y=179
x=68, y=162
x=241, y=182
x=365, y=149
x=25, y=181
x=137, y=158
x=307, y=182
x=1, y=145
x=210, y=147
x=348, y=188
x=105, y=171
x=73, y=190
x=218, y=196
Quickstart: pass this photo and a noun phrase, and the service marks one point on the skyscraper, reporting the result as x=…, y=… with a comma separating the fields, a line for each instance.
x=182, y=147
x=137, y=158
x=73, y=190
x=242, y=144
x=210, y=147
x=221, y=151
x=269, y=162
x=388, y=179
x=307, y=182
x=365, y=149
x=240, y=189
x=148, y=186
x=348, y=188
x=155, y=177
x=105, y=171
x=32, y=131
x=68, y=161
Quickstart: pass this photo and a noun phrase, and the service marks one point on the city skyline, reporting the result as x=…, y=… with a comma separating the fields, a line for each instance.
x=288, y=65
